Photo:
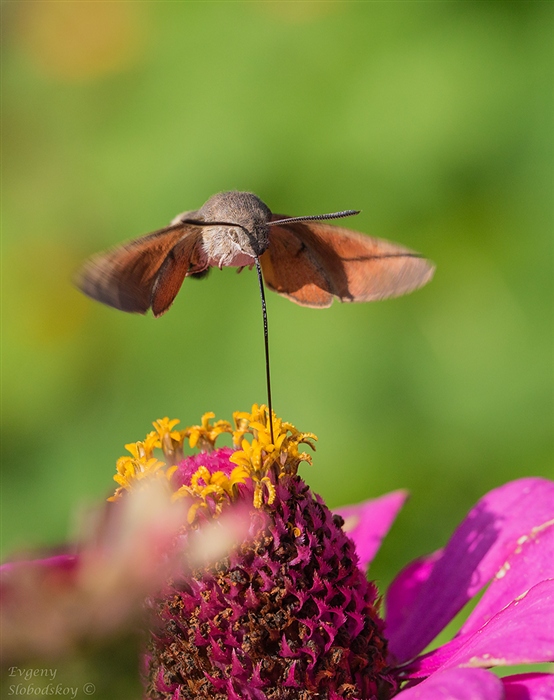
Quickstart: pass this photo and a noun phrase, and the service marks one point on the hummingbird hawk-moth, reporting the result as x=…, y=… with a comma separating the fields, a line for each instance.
x=303, y=258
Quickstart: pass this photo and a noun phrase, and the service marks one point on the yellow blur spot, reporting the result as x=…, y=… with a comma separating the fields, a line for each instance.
x=80, y=41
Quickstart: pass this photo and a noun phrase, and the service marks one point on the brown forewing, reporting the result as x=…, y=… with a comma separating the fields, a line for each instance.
x=181, y=260
x=310, y=263
x=130, y=276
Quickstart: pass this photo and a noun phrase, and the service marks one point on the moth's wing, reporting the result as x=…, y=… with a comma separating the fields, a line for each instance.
x=182, y=260
x=125, y=276
x=310, y=263
x=292, y=268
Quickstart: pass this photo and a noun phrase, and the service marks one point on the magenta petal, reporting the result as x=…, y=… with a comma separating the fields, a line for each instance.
x=529, y=686
x=475, y=553
x=457, y=684
x=522, y=632
x=405, y=588
x=368, y=522
x=530, y=563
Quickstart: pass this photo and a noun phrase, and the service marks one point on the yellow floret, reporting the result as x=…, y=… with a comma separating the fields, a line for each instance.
x=267, y=453
x=204, y=436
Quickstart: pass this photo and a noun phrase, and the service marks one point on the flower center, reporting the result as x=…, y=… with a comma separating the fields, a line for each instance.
x=286, y=614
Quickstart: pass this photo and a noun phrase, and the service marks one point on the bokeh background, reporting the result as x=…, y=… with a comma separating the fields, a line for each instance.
x=434, y=118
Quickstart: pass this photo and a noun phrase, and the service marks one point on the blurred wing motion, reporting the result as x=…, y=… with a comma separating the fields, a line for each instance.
x=143, y=273
x=311, y=263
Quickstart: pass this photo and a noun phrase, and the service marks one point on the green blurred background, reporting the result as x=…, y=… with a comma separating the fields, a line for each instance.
x=434, y=118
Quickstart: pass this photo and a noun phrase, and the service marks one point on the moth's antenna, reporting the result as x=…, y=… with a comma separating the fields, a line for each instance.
x=317, y=217
x=266, y=346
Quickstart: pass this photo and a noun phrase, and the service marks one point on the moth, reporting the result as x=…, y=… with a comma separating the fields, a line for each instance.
x=304, y=258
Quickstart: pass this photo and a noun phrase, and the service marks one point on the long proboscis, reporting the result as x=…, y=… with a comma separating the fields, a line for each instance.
x=264, y=316
x=292, y=220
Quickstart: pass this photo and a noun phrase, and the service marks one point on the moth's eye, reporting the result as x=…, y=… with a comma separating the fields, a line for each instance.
x=233, y=234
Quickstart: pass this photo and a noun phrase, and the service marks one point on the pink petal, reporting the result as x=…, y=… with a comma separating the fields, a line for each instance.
x=475, y=553
x=368, y=522
x=61, y=562
x=457, y=684
x=406, y=587
x=530, y=563
x=523, y=632
x=529, y=686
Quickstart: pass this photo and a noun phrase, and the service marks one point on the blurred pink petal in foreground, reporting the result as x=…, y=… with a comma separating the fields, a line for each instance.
x=50, y=605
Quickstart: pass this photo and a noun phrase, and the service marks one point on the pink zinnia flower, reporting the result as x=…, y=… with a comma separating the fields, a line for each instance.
x=283, y=611
x=507, y=541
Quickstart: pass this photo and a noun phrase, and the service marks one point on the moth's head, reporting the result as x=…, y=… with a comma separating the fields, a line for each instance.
x=243, y=209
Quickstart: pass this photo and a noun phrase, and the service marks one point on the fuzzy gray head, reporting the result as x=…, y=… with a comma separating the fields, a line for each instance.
x=245, y=210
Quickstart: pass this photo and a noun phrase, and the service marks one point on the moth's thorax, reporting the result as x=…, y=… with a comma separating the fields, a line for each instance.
x=240, y=244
